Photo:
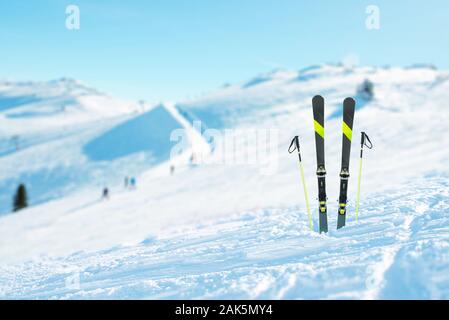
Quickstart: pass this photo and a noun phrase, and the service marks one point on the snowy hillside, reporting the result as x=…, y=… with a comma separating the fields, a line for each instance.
x=226, y=231
x=57, y=100
x=61, y=136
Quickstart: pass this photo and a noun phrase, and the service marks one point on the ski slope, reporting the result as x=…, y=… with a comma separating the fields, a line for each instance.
x=394, y=252
x=229, y=231
x=62, y=136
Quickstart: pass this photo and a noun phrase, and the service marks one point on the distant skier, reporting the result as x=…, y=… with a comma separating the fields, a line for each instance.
x=126, y=182
x=172, y=169
x=105, y=193
x=132, y=183
x=193, y=160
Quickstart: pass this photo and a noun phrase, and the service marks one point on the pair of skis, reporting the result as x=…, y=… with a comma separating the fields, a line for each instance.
x=348, y=120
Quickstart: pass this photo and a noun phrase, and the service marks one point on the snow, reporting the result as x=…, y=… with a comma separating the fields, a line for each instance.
x=145, y=132
x=225, y=231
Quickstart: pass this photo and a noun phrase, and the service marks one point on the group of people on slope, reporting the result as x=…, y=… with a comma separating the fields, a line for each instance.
x=129, y=183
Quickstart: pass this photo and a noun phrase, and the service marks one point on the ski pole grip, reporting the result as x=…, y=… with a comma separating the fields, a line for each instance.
x=295, y=144
x=366, y=139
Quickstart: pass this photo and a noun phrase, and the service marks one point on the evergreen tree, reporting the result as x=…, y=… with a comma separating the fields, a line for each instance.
x=20, y=199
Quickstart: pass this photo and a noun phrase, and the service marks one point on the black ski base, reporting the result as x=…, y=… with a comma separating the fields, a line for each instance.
x=322, y=209
x=344, y=177
x=323, y=222
x=341, y=222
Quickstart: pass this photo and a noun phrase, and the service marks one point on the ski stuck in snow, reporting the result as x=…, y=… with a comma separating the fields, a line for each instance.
x=318, y=120
x=348, y=121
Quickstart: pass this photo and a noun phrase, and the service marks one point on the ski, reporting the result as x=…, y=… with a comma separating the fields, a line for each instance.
x=348, y=120
x=318, y=117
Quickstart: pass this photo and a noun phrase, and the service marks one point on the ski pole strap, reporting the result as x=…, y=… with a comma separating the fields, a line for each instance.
x=294, y=145
x=366, y=141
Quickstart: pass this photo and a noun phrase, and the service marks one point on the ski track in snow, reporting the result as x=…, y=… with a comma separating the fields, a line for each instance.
x=265, y=254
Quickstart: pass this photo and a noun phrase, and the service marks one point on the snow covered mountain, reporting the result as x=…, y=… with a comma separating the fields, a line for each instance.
x=57, y=100
x=61, y=136
x=225, y=231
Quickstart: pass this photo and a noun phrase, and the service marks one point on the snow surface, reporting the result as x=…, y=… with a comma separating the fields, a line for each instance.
x=225, y=231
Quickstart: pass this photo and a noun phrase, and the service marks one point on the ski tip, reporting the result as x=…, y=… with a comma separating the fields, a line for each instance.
x=349, y=102
x=317, y=99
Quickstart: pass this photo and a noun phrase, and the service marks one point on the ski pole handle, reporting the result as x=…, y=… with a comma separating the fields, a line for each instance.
x=295, y=144
x=364, y=141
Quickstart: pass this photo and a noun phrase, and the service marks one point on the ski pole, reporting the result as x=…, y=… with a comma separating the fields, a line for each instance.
x=364, y=142
x=295, y=144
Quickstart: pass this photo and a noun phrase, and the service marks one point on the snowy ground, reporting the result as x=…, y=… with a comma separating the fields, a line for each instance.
x=216, y=231
x=396, y=251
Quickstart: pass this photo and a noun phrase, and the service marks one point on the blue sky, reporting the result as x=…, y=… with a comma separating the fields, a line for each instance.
x=174, y=49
